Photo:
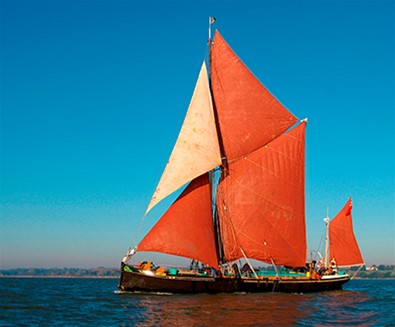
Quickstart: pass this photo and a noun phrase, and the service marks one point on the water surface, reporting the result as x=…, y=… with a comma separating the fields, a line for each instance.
x=96, y=302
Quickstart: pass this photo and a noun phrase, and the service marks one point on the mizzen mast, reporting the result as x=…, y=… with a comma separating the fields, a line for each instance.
x=326, y=258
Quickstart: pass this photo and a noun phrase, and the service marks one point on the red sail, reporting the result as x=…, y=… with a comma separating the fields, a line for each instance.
x=343, y=244
x=249, y=115
x=261, y=203
x=186, y=229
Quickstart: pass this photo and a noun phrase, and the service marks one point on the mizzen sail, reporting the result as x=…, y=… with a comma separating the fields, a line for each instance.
x=342, y=242
x=197, y=149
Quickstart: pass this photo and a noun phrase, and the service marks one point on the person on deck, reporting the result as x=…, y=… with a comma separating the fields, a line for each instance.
x=333, y=266
x=320, y=268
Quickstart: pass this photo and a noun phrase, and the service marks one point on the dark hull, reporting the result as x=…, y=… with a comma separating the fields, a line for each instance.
x=136, y=281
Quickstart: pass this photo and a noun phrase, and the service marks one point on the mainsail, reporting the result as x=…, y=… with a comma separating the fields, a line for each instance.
x=342, y=242
x=261, y=203
x=260, y=195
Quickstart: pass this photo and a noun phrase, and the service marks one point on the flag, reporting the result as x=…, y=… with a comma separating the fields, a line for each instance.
x=348, y=212
x=212, y=20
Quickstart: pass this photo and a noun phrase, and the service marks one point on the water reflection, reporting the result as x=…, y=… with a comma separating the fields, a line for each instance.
x=344, y=308
x=222, y=310
x=341, y=308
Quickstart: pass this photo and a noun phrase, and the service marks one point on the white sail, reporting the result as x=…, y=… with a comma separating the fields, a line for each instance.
x=197, y=149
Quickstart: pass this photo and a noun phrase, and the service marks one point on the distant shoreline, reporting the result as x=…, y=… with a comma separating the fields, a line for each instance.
x=99, y=272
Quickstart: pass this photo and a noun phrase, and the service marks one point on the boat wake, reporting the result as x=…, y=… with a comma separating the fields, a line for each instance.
x=140, y=292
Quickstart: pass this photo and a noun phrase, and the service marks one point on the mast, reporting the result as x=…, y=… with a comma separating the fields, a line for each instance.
x=215, y=174
x=326, y=220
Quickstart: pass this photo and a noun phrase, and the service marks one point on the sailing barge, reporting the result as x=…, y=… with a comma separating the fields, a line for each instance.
x=242, y=154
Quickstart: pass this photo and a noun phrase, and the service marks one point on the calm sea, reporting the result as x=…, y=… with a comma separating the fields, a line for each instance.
x=96, y=302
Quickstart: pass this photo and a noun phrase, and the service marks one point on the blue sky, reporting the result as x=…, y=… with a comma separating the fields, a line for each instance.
x=93, y=94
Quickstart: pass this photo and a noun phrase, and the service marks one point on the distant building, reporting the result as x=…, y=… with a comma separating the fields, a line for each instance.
x=372, y=268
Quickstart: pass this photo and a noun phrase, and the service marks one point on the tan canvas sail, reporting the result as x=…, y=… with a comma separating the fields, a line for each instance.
x=196, y=150
x=186, y=229
x=249, y=115
x=342, y=242
x=261, y=203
